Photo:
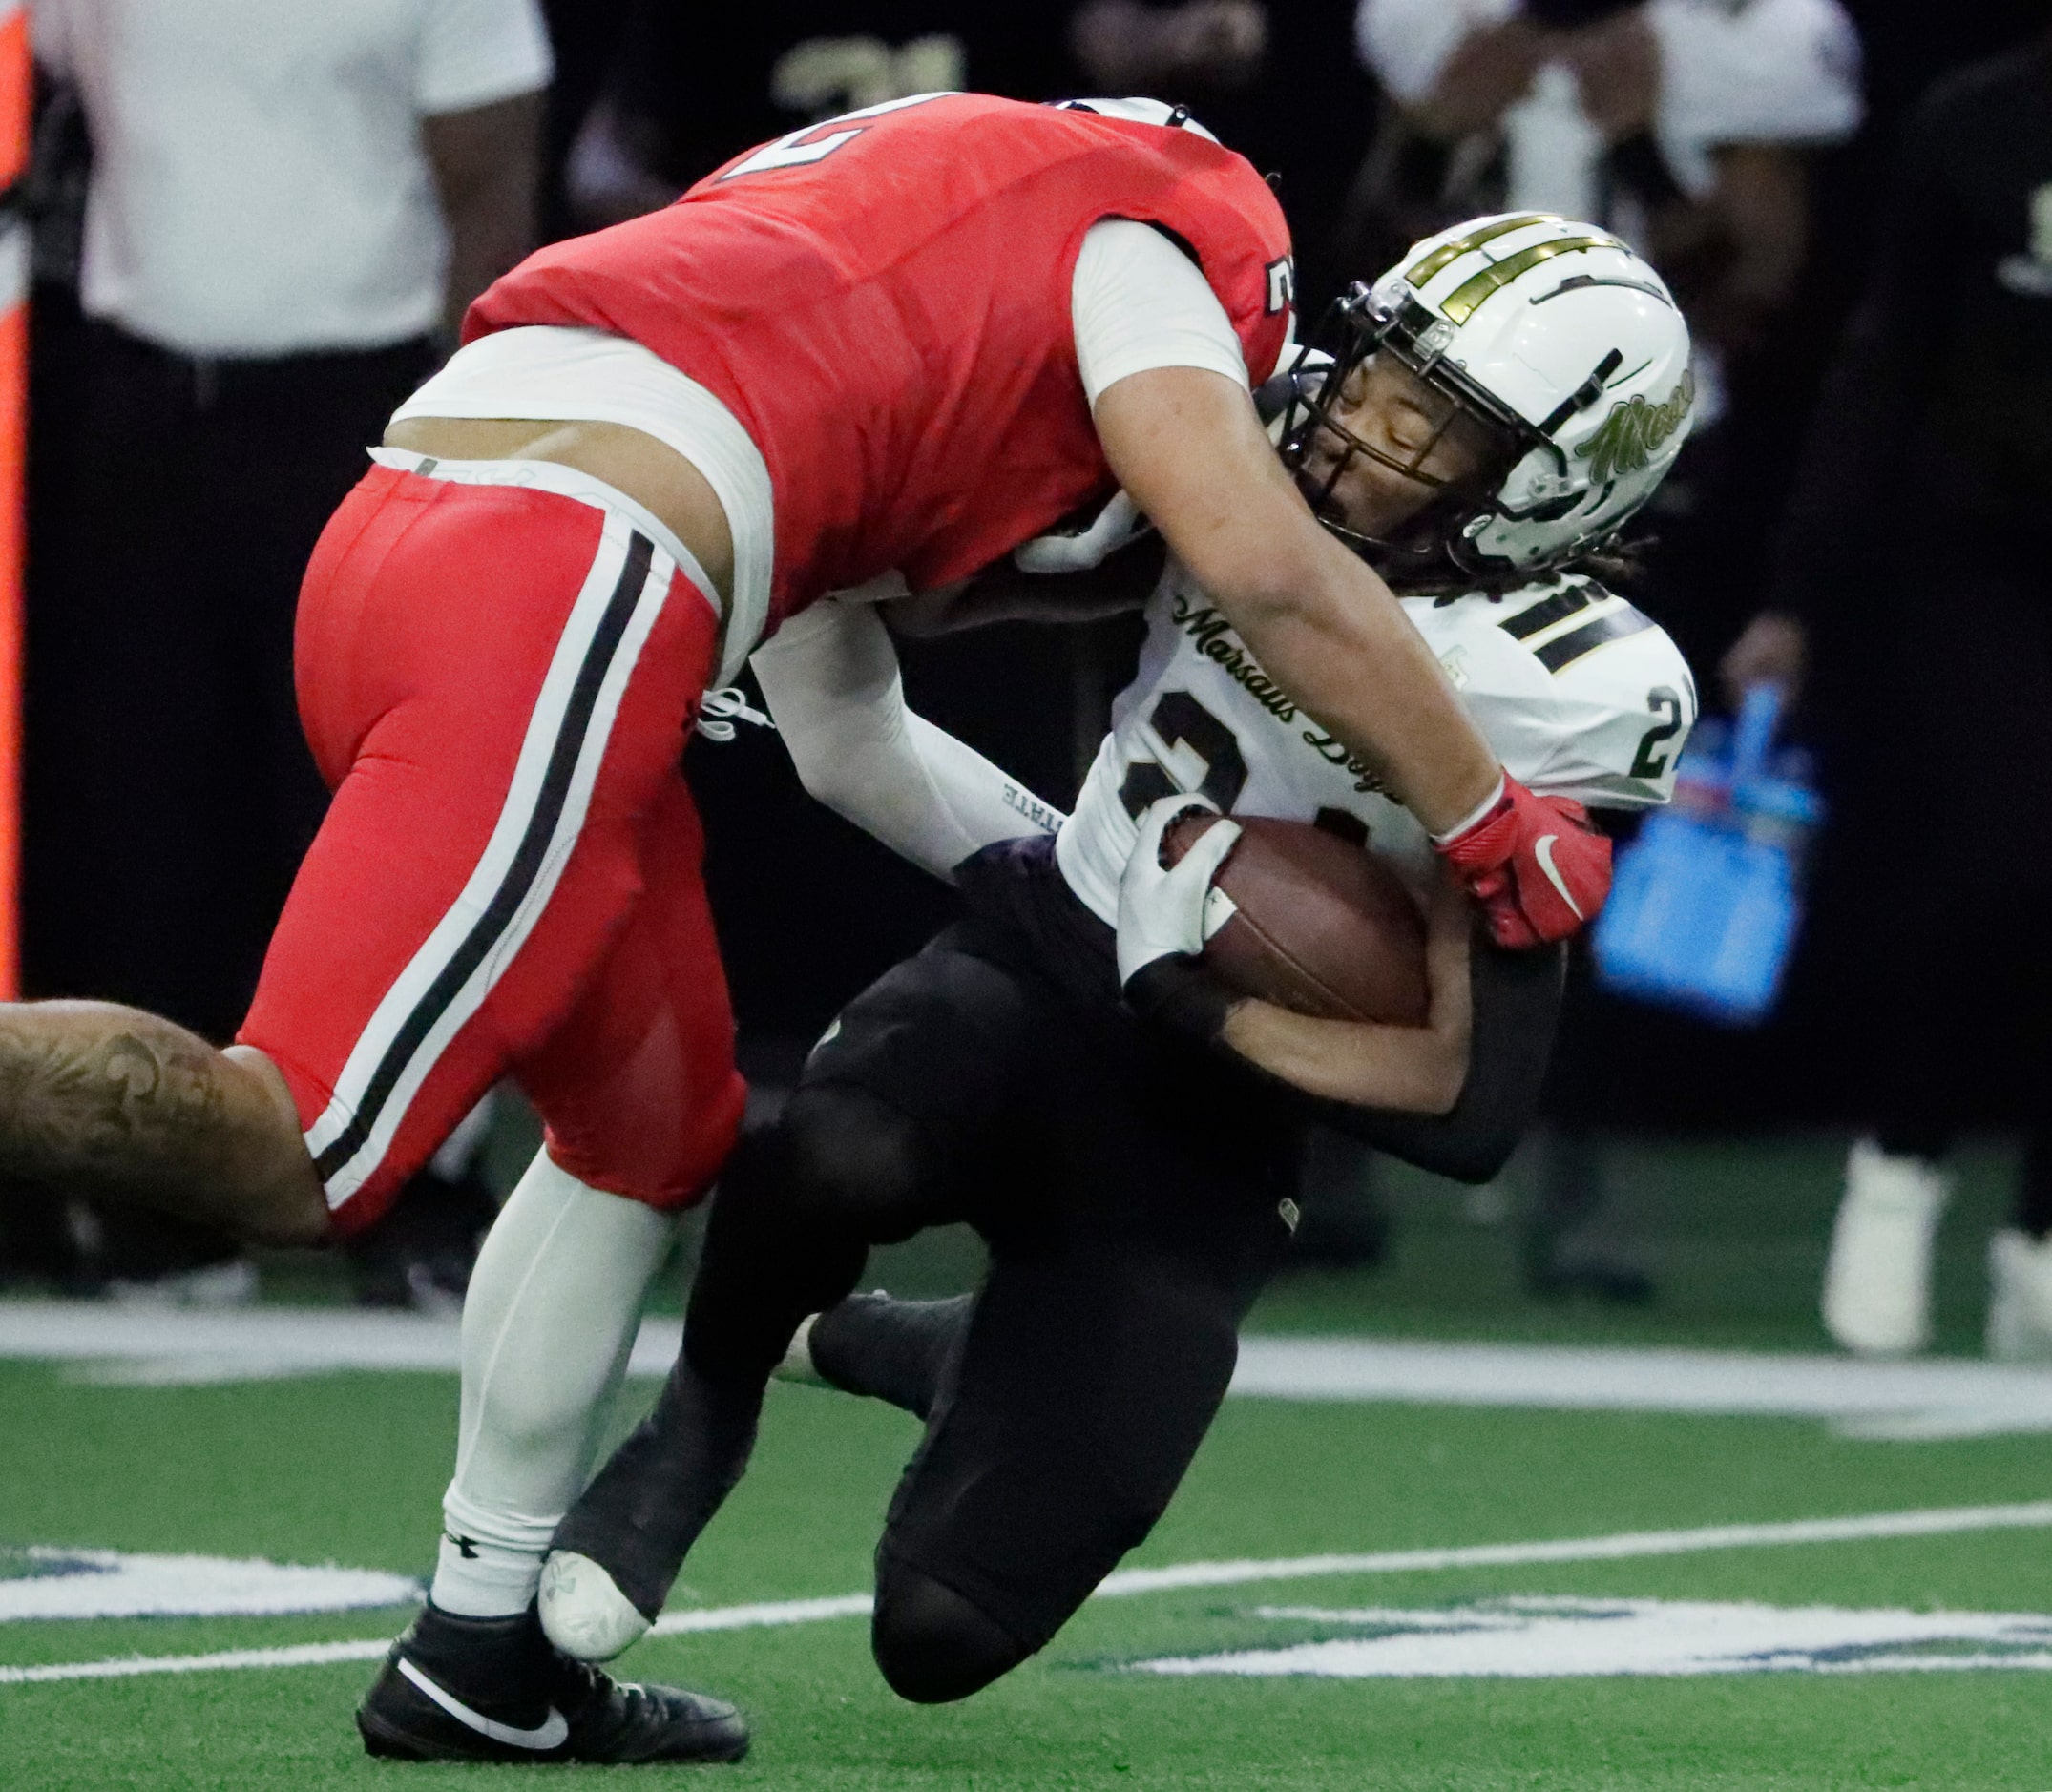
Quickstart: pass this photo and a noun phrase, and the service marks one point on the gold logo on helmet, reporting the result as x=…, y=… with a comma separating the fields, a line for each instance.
x=1628, y=438
x=1448, y=253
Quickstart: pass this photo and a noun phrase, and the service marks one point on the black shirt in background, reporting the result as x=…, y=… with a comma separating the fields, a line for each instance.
x=705, y=83
x=705, y=89
x=1938, y=404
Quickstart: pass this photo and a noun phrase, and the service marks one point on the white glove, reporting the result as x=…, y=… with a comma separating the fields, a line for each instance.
x=1117, y=525
x=1166, y=913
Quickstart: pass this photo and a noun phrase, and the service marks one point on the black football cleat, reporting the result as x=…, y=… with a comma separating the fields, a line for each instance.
x=491, y=1689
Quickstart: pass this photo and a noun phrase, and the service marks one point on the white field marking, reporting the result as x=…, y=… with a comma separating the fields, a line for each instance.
x=1930, y=1664
x=1897, y=1401
x=1556, y=1638
x=61, y=1583
x=1864, y=1527
x=1932, y=1399
x=756, y=1616
x=122, y=1667
x=196, y=1347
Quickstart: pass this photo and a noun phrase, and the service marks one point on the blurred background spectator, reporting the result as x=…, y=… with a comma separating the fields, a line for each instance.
x=1686, y=126
x=1277, y=83
x=1680, y=123
x=647, y=103
x=1937, y=412
x=288, y=205
x=585, y=36
x=285, y=206
x=675, y=98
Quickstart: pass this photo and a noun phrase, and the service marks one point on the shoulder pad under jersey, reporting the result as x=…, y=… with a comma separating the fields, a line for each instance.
x=1580, y=693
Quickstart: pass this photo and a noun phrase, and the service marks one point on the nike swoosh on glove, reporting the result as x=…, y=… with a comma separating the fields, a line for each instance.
x=1161, y=923
x=1536, y=865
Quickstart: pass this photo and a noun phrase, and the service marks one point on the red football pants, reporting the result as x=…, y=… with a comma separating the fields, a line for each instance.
x=497, y=683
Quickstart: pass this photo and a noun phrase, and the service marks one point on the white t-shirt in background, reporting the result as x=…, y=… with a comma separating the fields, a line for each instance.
x=1756, y=71
x=260, y=186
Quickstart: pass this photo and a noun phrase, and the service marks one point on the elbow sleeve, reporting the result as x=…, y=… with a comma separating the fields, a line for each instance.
x=831, y=681
x=1517, y=998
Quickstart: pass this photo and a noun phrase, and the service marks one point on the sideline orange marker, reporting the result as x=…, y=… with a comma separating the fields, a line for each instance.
x=15, y=80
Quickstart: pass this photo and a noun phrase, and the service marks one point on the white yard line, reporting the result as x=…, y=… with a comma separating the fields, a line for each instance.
x=1934, y=1397
x=173, y=1346
x=69, y=1584
x=1868, y=1527
x=757, y=1617
x=1930, y=1398
x=121, y=1667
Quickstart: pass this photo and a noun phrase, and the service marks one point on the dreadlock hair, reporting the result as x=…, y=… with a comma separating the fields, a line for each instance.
x=1616, y=564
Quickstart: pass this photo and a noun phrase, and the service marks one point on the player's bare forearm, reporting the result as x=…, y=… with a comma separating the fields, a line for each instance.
x=1407, y=1069
x=1335, y=639
x=486, y=161
x=1761, y=204
x=112, y=1103
x=1189, y=447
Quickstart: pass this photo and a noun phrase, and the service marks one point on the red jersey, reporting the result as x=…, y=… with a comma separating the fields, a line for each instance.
x=883, y=301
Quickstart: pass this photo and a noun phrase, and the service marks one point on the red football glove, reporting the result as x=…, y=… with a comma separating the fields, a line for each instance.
x=1535, y=864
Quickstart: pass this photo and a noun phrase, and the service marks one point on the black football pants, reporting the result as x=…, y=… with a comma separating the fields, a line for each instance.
x=1961, y=844
x=1132, y=1193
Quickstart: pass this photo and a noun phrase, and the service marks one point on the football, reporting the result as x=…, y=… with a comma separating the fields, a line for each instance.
x=1323, y=925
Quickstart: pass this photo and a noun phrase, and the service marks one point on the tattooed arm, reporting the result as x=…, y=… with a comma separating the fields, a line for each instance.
x=122, y=1105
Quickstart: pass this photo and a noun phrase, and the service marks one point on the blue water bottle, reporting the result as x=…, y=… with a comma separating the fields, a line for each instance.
x=1706, y=901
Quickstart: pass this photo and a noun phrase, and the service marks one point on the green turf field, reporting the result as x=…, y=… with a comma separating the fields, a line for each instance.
x=1445, y=1673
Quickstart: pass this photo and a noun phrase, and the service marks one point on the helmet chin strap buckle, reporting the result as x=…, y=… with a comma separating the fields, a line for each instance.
x=1432, y=344
x=1583, y=395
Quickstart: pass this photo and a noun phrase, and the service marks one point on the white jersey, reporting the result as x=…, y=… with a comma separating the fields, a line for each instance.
x=1580, y=693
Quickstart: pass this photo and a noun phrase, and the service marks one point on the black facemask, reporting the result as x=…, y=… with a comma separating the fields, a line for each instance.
x=1351, y=333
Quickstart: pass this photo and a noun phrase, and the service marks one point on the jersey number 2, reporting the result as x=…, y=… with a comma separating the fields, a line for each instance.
x=1661, y=701
x=792, y=150
x=1180, y=721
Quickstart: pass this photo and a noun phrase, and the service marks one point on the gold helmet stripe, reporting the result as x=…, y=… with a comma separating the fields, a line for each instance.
x=1448, y=253
x=1463, y=301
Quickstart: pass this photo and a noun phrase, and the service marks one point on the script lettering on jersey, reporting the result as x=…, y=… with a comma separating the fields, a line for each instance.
x=1338, y=753
x=1215, y=639
x=1045, y=818
x=1627, y=439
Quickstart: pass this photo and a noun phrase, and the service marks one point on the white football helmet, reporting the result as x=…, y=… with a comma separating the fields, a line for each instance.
x=1138, y=111
x=1552, y=332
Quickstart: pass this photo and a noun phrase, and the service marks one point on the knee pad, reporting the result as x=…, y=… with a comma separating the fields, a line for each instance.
x=801, y=1201
x=930, y=1644
x=850, y=1156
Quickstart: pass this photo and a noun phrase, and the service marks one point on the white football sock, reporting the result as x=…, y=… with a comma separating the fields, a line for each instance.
x=1876, y=1297
x=550, y=1315
x=2020, y=1297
